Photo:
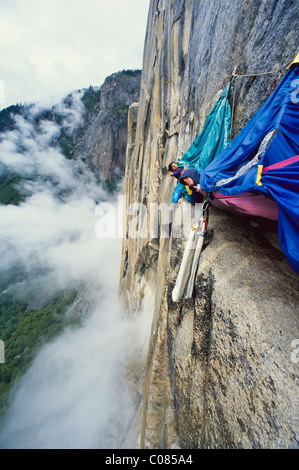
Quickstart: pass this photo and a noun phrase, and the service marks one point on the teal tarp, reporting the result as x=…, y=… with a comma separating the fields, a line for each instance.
x=214, y=137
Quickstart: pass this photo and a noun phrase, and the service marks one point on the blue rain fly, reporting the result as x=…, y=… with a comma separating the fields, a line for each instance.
x=263, y=159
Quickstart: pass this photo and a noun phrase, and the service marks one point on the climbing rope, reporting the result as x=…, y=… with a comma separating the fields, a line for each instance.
x=233, y=109
x=273, y=72
x=235, y=76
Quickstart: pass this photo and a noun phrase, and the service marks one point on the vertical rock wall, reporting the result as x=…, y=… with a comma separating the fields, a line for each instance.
x=102, y=137
x=219, y=371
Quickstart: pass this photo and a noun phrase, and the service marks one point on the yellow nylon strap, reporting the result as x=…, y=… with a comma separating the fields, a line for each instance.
x=295, y=61
x=259, y=175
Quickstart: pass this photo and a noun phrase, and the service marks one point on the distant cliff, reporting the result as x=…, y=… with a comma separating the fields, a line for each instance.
x=96, y=129
x=102, y=137
x=219, y=372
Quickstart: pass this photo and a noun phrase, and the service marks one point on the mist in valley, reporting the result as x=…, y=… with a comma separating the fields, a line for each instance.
x=75, y=393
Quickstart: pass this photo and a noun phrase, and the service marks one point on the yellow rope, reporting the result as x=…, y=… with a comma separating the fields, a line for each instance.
x=257, y=74
x=262, y=73
x=234, y=75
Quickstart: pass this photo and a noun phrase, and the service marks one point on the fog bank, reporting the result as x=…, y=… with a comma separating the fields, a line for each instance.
x=75, y=394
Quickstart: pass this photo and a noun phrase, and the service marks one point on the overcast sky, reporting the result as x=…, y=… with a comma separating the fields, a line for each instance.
x=51, y=47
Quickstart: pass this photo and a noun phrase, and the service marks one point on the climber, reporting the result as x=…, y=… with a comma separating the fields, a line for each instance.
x=180, y=190
x=191, y=178
x=176, y=170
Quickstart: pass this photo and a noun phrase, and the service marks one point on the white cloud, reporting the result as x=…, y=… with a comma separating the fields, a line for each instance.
x=75, y=394
x=58, y=234
x=56, y=46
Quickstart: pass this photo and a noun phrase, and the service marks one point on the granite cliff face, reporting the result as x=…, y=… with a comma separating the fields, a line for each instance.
x=102, y=138
x=220, y=371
